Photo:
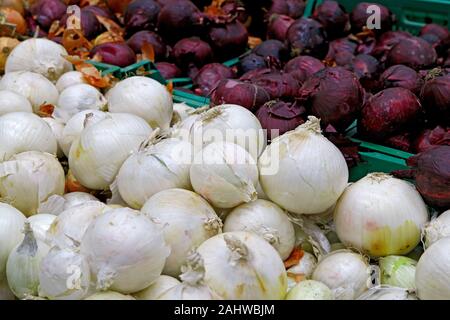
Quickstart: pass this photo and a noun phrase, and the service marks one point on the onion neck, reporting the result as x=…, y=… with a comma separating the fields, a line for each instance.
x=211, y=114
x=239, y=251
x=29, y=245
x=193, y=273
x=214, y=225
x=378, y=176
x=312, y=125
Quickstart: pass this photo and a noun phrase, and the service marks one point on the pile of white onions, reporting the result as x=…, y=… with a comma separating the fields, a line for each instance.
x=437, y=229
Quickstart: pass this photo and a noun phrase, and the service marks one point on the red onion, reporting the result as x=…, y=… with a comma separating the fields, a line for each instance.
x=435, y=95
x=235, y=8
x=367, y=70
x=389, y=112
x=412, y=52
x=141, y=15
x=209, y=76
x=272, y=48
x=47, y=11
x=303, y=67
x=253, y=74
x=117, y=53
x=252, y=62
x=333, y=17
x=348, y=148
x=307, y=37
x=291, y=8
x=100, y=11
x=431, y=138
x=89, y=23
x=401, y=76
x=360, y=16
x=439, y=31
x=228, y=40
x=138, y=39
x=387, y=41
x=168, y=70
x=278, y=84
x=334, y=95
x=192, y=51
x=401, y=142
x=33, y=27
x=431, y=170
x=180, y=19
x=278, y=26
x=341, y=51
x=279, y=115
x=237, y=92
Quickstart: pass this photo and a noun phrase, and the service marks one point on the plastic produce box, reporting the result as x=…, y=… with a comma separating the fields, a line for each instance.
x=144, y=67
x=411, y=15
x=105, y=69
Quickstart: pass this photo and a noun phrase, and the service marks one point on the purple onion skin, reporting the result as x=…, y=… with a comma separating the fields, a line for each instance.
x=229, y=40
x=387, y=41
x=401, y=76
x=388, y=113
x=244, y=94
x=253, y=74
x=252, y=62
x=281, y=116
x=413, y=52
x=141, y=15
x=334, y=95
x=180, y=19
x=307, y=37
x=168, y=70
x=272, y=48
x=367, y=70
x=118, y=54
x=278, y=26
x=431, y=138
x=290, y=8
x=278, y=84
x=137, y=41
x=401, y=141
x=100, y=11
x=435, y=95
x=33, y=27
x=45, y=12
x=192, y=51
x=359, y=17
x=437, y=30
x=209, y=76
x=334, y=18
x=303, y=67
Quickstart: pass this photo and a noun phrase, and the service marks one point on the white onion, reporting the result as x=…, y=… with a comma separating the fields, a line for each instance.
x=398, y=271
x=69, y=79
x=30, y=178
x=57, y=204
x=109, y=295
x=161, y=166
x=433, y=272
x=144, y=97
x=41, y=56
x=125, y=250
x=11, y=101
x=97, y=155
x=380, y=215
x=437, y=229
x=75, y=198
x=193, y=286
x=310, y=290
x=243, y=266
x=75, y=126
x=224, y=174
x=227, y=122
x=387, y=293
x=186, y=219
x=33, y=86
x=11, y=225
x=346, y=273
x=40, y=223
x=70, y=226
x=267, y=220
x=180, y=112
x=157, y=288
x=302, y=171
x=302, y=270
x=57, y=127
x=22, y=131
x=77, y=98
x=64, y=275
x=22, y=268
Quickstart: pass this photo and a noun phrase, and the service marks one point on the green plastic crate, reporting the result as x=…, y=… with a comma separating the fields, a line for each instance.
x=411, y=15
x=135, y=69
x=190, y=99
x=105, y=69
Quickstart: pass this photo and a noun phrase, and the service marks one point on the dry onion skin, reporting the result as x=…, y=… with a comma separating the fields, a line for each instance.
x=302, y=182
x=6, y=46
x=39, y=55
x=243, y=266
x=380, y=215
x=437, y=229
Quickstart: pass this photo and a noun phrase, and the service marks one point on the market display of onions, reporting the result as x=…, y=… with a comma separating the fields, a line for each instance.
x=223, y=150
